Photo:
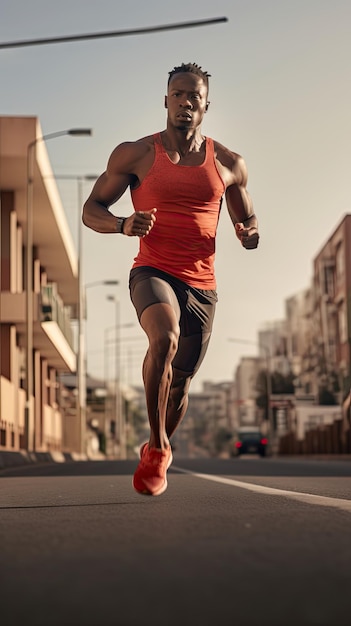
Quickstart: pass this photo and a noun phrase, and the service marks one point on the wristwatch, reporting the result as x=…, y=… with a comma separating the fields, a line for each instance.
x=120, y=224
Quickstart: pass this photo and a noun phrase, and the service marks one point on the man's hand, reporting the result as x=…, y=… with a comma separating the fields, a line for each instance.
x=140, y=223
x=247, y=235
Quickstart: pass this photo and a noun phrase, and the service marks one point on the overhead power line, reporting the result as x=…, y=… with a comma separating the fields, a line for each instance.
x=116, y=33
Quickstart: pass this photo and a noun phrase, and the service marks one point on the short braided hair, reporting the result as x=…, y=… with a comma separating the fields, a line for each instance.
x=193, y=68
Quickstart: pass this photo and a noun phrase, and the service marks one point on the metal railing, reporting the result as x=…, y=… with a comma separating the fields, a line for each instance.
x=53, y=310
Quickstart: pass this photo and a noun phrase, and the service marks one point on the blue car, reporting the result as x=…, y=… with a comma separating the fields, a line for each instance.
x=248, y=440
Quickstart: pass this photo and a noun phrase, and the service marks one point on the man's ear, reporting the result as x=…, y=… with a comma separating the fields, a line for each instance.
x=166, y=105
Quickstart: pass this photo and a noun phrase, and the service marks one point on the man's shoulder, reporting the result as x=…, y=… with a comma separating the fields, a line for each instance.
x=228, y=158
x=221, y=149
x=129, y=153
x=141, y=145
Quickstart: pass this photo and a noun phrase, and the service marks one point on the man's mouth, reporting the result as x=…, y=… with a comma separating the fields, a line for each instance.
x=184, y=116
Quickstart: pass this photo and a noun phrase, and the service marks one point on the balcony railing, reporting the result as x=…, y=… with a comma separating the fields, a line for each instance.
x=52, y=309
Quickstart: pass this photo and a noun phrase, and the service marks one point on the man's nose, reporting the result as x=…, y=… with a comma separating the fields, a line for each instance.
x=186, y=103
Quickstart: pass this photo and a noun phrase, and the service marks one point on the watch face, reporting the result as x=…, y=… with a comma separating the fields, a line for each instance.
x=119, y=224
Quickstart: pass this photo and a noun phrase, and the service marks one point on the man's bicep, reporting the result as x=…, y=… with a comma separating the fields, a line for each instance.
x=110, y=186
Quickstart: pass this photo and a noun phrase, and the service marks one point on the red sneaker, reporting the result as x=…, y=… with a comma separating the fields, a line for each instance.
x=150, y=477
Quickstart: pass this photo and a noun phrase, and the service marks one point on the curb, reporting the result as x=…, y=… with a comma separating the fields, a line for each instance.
x=9, y=460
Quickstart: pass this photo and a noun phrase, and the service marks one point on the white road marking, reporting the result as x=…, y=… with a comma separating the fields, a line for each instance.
x=309, y=498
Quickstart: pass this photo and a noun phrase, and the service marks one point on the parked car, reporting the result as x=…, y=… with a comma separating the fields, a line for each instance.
x=248, y=440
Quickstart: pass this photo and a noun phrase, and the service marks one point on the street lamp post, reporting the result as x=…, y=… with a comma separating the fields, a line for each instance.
x=117, y=368
x=82, y=354
x=80, y=370
x=269, y=384
x=107, y=431
x=120, y=426
x=30, y=442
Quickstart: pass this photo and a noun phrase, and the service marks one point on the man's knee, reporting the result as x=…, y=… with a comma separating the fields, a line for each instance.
x=164, y=343
x=161, y=325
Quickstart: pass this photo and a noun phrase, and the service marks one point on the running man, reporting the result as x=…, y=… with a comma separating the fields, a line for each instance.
x=177, y=180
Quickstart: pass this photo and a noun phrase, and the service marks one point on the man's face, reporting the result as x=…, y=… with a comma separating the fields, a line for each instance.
x=186, y=101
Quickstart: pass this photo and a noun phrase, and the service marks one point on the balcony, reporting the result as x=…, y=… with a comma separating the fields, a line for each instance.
x=55, y=320
x=52, y=330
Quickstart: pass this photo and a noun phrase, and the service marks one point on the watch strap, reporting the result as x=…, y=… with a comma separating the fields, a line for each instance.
x=120, y=224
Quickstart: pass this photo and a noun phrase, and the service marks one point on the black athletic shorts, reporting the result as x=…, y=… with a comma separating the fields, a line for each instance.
x=195, y=309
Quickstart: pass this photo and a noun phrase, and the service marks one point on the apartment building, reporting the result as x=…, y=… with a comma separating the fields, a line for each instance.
x=246, y=375
x=332, y=310
x=312, y=342
x=299, y=340
x=39, y=294
x=272, y=343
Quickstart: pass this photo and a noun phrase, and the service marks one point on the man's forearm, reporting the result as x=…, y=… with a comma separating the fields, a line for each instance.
x=98, y=217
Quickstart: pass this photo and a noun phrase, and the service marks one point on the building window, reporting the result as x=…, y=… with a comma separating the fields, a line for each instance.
x=328, y=282
x=339, y=262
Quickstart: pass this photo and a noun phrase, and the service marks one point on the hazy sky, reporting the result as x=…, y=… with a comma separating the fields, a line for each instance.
x=280, y=95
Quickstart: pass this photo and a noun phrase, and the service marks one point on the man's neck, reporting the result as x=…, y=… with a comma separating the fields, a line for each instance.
x=181, y=141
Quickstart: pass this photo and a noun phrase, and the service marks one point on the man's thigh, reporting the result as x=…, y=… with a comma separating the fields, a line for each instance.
x=194, y=310
x=147, y=289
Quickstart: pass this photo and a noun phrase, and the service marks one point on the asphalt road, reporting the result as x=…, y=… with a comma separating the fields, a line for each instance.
x=232, y=542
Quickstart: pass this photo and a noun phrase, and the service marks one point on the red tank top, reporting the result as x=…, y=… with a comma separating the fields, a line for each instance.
x=188, y=200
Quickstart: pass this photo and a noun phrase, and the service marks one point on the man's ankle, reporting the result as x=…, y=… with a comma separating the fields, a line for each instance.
x=158, y=444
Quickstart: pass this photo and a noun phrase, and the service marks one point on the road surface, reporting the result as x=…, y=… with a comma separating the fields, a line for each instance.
x=242, y=542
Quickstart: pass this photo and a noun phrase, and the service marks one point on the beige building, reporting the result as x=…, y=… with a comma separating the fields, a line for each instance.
x=246, y=390
x=272, y=343
x=37, y=251
x=332, y=311
x=299, y=335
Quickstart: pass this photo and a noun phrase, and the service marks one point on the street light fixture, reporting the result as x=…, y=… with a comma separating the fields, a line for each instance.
x=269, y=383
x=29, y=423
x=96, y=283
